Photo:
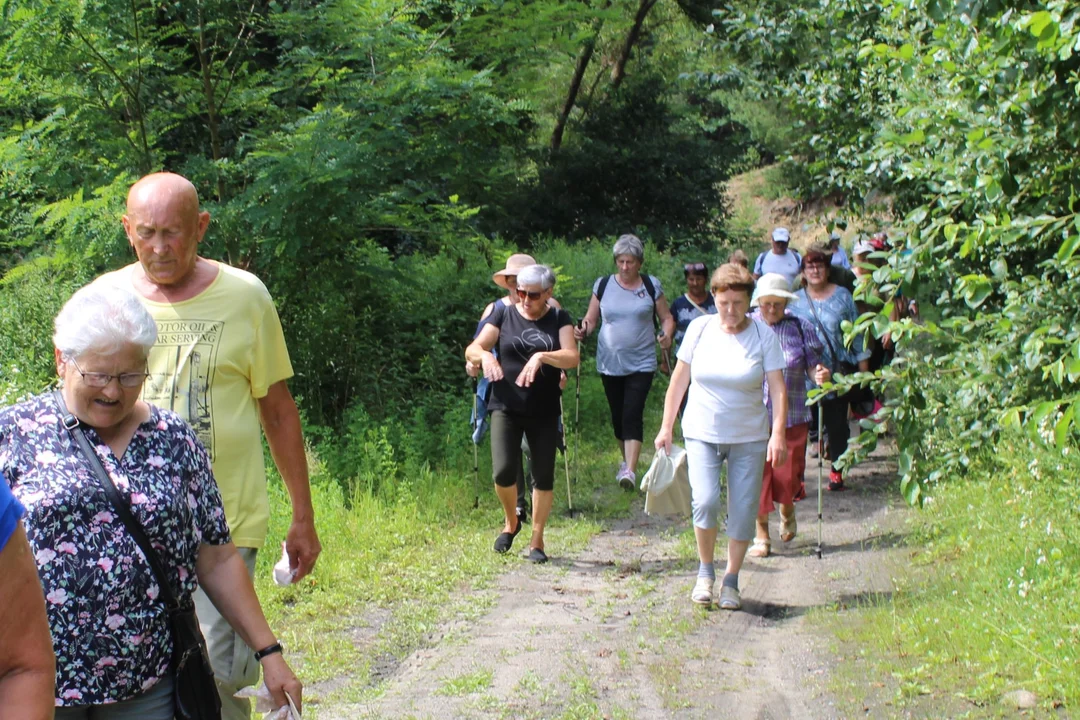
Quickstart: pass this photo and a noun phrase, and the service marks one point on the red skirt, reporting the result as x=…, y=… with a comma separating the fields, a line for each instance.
x=784, y=485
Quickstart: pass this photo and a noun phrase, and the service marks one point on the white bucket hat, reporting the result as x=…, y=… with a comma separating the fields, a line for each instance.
x=772, y=285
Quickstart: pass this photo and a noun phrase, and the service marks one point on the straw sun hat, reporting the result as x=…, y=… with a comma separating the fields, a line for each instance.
x=514, y=264
x=772, y=285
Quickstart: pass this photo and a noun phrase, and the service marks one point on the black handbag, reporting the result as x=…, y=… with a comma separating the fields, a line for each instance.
x=194, y=689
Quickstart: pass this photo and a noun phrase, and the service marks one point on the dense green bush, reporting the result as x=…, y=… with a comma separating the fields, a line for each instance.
x=965, y=114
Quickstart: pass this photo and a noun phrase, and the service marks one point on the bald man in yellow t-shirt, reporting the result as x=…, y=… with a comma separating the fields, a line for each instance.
x=220, y=362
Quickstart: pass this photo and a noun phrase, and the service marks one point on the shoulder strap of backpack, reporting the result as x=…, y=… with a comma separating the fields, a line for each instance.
x=603, y=286
x=649, y=287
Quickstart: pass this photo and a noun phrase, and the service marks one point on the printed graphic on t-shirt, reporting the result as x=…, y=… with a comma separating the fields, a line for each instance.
x=532, y=341
x=184, y=357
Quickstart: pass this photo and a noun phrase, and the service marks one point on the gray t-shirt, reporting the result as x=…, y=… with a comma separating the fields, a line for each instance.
x=627, y=337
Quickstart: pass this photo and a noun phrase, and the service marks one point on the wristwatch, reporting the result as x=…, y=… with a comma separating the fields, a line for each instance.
x=268, y=650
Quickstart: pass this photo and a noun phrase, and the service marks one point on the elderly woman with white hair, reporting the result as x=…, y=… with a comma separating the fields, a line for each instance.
x=110, y=624
x=782, y=484
x=626, y=302
x=535, y=342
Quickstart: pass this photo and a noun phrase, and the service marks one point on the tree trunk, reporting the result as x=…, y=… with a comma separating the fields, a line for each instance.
x=575, y=82
x=619, y=71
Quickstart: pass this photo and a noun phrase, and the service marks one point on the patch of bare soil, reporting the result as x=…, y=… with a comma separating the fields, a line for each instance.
x=612, y=633
x=752, y=199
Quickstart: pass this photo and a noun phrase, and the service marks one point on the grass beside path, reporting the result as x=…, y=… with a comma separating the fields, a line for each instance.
x=400, y=568
x=990, y=617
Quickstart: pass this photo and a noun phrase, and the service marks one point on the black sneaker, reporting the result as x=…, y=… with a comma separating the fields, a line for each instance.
x=536, y=555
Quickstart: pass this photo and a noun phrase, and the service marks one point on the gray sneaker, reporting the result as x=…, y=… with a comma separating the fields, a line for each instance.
x=729, y=598
x=627, y=479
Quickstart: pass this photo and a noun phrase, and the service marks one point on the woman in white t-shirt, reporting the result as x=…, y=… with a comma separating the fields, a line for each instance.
x=723, y=360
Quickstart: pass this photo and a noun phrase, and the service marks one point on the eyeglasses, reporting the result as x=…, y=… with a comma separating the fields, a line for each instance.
x=100, y=380
x=814, y=265
x=532, y=295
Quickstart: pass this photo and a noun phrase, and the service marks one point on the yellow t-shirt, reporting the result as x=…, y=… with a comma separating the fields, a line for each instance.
x=216, y=355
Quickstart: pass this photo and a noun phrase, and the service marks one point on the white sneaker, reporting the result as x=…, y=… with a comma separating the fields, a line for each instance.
x=729, y=598
x=621, y=472
x=628, y=481
x=703, y=591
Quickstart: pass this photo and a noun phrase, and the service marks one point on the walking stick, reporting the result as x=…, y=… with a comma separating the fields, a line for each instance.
x=577, y=416
x=475, y=447
x=819, y=467
x=566, y=459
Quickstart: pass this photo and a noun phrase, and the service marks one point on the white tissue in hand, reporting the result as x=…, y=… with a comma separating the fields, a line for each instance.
x=264, y=703
x=283, y=574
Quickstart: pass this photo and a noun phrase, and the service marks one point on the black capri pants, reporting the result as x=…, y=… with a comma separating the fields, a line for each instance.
x=834, y=416
x=626, y=396
x=543, y=436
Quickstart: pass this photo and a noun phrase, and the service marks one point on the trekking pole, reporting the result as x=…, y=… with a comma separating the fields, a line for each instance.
x=566, y=458
x=819, y=471
x=577, y=412
x=475, y=447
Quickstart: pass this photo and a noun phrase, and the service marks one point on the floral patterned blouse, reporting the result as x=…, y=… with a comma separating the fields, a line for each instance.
x=110, y=631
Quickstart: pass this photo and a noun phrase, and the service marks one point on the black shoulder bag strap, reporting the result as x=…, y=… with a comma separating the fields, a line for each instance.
x=195, y=694
x=122, y=510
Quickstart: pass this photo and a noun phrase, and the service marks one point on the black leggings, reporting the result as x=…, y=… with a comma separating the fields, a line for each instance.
x=626, y=397
x=543, y=436
x=834, y=412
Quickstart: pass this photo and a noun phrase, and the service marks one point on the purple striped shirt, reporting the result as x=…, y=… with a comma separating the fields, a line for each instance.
x=802, y=350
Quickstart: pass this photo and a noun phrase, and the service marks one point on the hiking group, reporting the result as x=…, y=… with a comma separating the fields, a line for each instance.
x=135, y=498
x=761, y=340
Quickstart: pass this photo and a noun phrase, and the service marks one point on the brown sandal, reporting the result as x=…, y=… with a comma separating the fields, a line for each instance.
x=789, y=528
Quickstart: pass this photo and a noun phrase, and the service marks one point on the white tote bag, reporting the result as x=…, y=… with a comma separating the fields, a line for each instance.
x=667, y=485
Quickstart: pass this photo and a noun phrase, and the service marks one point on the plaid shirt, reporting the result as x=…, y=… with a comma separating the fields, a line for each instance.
x=802, y=350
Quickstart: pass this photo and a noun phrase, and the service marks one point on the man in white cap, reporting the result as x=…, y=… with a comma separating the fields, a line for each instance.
x=839, y=257
x=780, y=260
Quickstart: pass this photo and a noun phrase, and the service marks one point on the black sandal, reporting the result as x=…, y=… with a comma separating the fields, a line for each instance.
x=505, y=541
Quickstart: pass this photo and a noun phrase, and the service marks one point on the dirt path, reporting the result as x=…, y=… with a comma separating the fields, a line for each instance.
x=611, y=633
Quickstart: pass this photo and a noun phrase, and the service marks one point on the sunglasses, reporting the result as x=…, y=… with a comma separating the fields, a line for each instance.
x=532, y=295
x=694, y=267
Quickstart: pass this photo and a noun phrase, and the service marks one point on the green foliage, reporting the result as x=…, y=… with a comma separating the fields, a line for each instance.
x=362, y=159
x=635, y=164
x=965, y=115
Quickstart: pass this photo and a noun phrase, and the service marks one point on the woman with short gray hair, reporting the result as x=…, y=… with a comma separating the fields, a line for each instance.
x=534, y=342
x=110, y=625
x=623, y=306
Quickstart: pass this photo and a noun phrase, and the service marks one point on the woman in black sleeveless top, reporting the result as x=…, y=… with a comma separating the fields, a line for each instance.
x=534, y=341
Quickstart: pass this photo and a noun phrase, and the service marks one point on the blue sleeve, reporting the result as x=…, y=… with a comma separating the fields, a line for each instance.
x=850, y=312
x=11, y=511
